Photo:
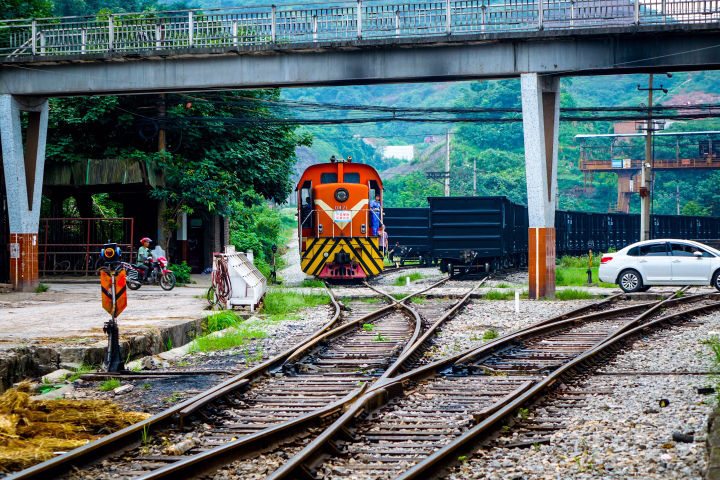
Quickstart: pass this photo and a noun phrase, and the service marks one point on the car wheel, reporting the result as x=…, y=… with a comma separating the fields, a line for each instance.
x=716, y=280
x=630, y=281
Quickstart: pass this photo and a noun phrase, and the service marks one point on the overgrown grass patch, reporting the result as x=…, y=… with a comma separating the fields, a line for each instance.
x=81, y=370
x=312, y=283
x=234, y=337
x=220, y=321
x=573, y=294
x=578, y=262
x=402, y=280
x=577, y=277
x=283, y=302
x=495, y=295
x=490, y=335
x=110, y=384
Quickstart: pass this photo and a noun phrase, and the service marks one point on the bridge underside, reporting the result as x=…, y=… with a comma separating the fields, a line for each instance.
x=539, y=58
x=366, y=62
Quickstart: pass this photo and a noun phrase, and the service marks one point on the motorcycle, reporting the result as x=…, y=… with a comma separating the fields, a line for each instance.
x=158, y=273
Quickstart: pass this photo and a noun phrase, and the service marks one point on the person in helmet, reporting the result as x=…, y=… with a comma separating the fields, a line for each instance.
x=144, y=257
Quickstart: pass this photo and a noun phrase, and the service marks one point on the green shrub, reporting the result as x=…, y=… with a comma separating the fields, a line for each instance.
x=42, y=288
x=181, y=271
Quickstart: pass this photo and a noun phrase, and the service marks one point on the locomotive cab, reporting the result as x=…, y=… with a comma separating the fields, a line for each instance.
x=335, y=221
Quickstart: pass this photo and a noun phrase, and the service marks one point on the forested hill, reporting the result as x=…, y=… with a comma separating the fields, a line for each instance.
x=498, y=147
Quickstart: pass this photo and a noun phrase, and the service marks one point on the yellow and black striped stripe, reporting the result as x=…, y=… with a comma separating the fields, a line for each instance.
x=364, y=250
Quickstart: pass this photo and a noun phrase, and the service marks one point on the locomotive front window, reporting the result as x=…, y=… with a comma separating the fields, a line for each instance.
x=351, y=177
x=328, y=177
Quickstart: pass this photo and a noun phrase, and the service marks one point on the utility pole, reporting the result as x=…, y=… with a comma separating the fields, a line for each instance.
x=646, y=171
x=447, y=162
x=162, y=113
x=644, y=174
x=474, y=177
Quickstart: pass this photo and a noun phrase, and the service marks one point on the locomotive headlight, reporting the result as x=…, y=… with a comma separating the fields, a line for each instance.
x=341, y=195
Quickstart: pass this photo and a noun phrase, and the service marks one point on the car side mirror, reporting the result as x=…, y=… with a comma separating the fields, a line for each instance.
x=698, y=254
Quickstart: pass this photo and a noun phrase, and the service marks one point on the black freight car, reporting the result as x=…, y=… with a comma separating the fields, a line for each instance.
x=477, y=233
x=408, y=233
x=467, y=232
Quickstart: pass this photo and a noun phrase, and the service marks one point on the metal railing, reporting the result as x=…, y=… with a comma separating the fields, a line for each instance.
x=268, y=26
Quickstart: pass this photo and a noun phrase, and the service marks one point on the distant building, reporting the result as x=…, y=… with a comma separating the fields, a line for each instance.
x=402, y=152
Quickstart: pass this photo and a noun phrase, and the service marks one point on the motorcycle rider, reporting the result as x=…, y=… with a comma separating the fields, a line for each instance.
x=144, y=258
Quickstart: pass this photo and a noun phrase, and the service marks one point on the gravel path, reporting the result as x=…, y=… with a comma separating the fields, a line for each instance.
x=622, y=432
x=292, y=275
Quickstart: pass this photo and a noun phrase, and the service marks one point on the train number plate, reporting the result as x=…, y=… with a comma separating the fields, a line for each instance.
x=342, y=215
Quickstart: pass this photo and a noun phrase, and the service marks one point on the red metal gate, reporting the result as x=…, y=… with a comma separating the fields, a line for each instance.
x=72, y=245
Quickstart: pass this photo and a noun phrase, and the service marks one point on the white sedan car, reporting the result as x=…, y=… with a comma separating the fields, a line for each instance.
x=641, y=265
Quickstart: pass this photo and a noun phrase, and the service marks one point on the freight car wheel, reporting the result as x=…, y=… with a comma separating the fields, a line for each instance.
x=716, y=280
x=630, y=281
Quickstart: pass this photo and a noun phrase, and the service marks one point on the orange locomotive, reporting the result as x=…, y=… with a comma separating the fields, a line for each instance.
x=335, y=221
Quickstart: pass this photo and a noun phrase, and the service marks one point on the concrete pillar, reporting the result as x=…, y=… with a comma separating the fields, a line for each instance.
x=23, y=182
x=541, y=115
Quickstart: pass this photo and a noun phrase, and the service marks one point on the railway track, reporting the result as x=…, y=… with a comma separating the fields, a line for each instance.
x=302, y=388
x=412, y=425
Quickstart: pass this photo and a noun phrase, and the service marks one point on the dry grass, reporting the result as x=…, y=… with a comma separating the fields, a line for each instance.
x=32, y=431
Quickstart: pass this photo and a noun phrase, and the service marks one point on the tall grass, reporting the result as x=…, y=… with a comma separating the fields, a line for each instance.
x=236, y=336
x=220, y=321
x=577, y=277
x=578, y=262
x=312, y=282
x=279, y=302
x=572, y=294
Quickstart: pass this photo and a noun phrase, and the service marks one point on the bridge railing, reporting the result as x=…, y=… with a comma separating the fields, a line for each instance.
x=265, y=27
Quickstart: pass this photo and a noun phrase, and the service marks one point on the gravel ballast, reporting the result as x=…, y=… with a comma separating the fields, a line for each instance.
x=622, y=431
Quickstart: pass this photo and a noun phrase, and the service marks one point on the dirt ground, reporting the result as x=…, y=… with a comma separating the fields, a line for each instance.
x=72, y=312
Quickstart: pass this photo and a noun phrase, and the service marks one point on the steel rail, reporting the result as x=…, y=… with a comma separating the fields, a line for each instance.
x=378, y=393
x=208, y=460
x=342, y=328
x=132, y=435
x=437, y=459
x=296, y=462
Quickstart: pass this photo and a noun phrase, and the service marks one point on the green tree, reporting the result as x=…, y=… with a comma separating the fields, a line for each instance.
x=25, y=9
x=692, y=208
x=219, y=153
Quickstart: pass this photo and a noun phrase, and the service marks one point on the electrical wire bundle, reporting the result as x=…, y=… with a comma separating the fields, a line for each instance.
x=221, y=286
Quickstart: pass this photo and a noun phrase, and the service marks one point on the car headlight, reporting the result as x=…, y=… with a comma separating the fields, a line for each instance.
x=341, y=195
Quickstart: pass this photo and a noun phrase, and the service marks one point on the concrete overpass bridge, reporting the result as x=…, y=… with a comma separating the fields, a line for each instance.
x=358, y=42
